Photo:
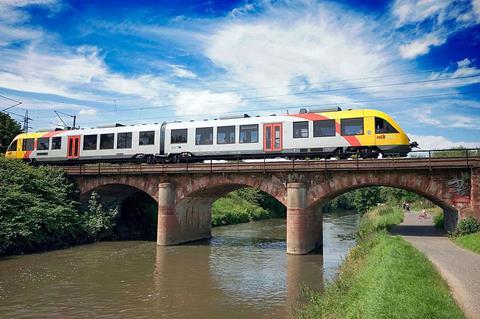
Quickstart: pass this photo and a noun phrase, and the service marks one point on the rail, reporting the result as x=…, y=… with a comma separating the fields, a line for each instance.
x=417, y=160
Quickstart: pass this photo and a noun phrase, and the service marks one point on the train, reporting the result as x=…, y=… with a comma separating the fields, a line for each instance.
x=337, y=133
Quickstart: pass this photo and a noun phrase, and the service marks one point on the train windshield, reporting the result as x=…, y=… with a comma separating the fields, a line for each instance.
x=13, y=146
x=382, y=126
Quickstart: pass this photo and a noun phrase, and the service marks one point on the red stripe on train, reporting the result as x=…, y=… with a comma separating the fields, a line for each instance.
x=352, y=140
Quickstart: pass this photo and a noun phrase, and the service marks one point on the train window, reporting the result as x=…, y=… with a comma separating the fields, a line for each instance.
x=323, y=128
x=42, y=143
x=28, y=144
x=56, y=143
x=179, y=136
x=106, y=141
x=226, y=135
x=147, y=138
x=300, y=129
x=204, y=136
x=382, y=126
x=352, y=126
x=12, y=147
x=249, y=133
x=90, y=142
x=124, y=140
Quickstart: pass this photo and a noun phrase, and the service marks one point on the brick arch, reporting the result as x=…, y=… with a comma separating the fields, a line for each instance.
x=433, y=188
x=147, y=185
x=216, y=186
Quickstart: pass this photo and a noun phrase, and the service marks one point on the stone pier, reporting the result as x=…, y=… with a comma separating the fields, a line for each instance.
x=304, y=225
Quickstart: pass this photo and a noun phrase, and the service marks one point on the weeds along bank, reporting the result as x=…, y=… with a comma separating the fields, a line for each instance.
x=383, y=277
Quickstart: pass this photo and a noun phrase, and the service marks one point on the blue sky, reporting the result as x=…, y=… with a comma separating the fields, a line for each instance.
x=153, y=61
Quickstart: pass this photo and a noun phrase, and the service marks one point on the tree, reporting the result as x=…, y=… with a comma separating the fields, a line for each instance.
x=9, y=128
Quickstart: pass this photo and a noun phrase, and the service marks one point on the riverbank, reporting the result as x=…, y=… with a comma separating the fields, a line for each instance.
x=245, y=205
x=383, y=277
x=470, y=242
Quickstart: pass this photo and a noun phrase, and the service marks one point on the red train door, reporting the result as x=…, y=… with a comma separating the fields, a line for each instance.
x=272, y=137
x=73, y=150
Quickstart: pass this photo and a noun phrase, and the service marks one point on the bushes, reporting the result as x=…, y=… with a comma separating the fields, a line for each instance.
x=98, y=222
x=38, y=209
x=438, y=219
x=467, y=226
x=233, y=209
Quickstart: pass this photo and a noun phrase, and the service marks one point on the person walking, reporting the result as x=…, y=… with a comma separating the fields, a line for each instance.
x=407, y=207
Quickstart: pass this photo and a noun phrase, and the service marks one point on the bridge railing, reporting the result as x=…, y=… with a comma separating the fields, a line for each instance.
x=419, y=159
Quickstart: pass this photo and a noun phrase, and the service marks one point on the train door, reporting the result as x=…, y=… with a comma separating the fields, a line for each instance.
x=272, y=137
x=73, y=150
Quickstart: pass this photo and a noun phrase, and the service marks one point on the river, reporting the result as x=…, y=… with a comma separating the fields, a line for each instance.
x=242, y=272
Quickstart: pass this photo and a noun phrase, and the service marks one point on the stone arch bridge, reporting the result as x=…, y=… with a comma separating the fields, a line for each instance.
x=186, y=192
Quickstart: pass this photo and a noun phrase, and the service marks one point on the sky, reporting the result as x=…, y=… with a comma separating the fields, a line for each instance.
x=152, y=61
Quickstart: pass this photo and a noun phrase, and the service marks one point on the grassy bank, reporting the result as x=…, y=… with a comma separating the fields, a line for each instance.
x=243, y=206
x=470, y=242
x=383, y=277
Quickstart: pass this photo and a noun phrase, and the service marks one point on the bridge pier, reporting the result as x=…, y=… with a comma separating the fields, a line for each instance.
x=182, y=222
x=304, y=225
x=475, y=192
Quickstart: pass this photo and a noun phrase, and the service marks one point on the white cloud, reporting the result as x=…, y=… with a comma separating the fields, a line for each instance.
x=476, y=9
x=181, y=72
x=88, y=112
x=419, y=46
x=411, y=11
x=431, y=142
x=205, y=102
x=317, y=43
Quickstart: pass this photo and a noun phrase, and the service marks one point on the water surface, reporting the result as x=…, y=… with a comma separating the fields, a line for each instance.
x=242, y=272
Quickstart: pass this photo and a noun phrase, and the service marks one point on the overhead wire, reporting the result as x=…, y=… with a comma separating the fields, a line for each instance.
x=289, y=107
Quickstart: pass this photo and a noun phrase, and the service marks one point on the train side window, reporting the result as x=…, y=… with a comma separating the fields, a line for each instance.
x=147, y=138
x=204, y=136
x=106, y=141
x=323, y=128
x=28, y=144
x=13, y=146
x=42, y=143
x=124, y=140
x=56, y=143
x=226, y=134
x=382, y=126
x=352, y=126
x=90, y=142
x=300, y=129
x=249, y=133
x=179, y=136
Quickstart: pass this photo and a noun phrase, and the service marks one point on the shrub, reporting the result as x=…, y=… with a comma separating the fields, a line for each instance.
x=38, y=209
x=438, y=220
x=467, y=226
x=98, y=221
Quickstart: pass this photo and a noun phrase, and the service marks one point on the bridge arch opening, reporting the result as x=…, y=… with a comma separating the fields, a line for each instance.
x=191, y=216
x=364, y=196
x=136, y=211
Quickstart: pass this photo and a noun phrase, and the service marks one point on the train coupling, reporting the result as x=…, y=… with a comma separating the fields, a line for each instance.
x=413, y=144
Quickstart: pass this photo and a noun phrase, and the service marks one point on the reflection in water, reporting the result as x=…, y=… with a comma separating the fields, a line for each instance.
x=243, y=272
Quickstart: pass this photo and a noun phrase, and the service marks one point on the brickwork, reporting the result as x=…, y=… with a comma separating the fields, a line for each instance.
x=185, y=200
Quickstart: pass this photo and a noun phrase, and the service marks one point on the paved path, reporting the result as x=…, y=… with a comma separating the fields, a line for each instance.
x=459, y=267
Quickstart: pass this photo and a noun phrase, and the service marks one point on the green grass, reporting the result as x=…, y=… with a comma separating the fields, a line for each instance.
x=470, y=242
x=232, y=209
x=383, y=277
